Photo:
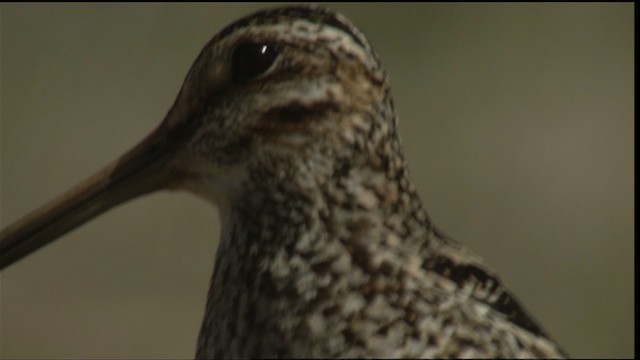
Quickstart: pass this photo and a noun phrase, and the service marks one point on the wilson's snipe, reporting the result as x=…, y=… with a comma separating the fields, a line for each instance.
x=285, y=121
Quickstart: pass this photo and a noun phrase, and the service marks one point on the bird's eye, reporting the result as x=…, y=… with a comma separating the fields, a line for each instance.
x=252, y=59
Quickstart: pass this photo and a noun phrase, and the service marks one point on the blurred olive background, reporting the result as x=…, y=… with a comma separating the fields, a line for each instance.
x=517, y=122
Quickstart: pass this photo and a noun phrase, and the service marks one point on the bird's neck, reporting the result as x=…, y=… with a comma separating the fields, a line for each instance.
x=295, y=243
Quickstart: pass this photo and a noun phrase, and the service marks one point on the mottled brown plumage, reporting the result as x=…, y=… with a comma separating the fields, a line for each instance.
x=286, y=122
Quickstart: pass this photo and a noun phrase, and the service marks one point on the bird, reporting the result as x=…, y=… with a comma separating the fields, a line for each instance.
x=286, y=123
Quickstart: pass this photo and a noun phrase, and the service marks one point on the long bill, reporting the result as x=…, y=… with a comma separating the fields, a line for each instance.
x=142, y=170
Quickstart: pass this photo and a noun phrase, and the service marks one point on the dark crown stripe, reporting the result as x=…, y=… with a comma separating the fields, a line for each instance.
x=312, y=13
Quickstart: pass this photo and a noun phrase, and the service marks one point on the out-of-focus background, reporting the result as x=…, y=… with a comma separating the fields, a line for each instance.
x=517, y=122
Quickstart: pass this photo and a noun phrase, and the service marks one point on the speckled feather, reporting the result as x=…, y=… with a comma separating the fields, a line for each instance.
x=326, y=249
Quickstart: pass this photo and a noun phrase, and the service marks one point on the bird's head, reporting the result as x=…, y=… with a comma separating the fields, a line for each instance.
x=282, y=89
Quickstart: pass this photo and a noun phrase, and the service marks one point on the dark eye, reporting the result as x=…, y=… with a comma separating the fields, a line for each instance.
x=252, y=59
